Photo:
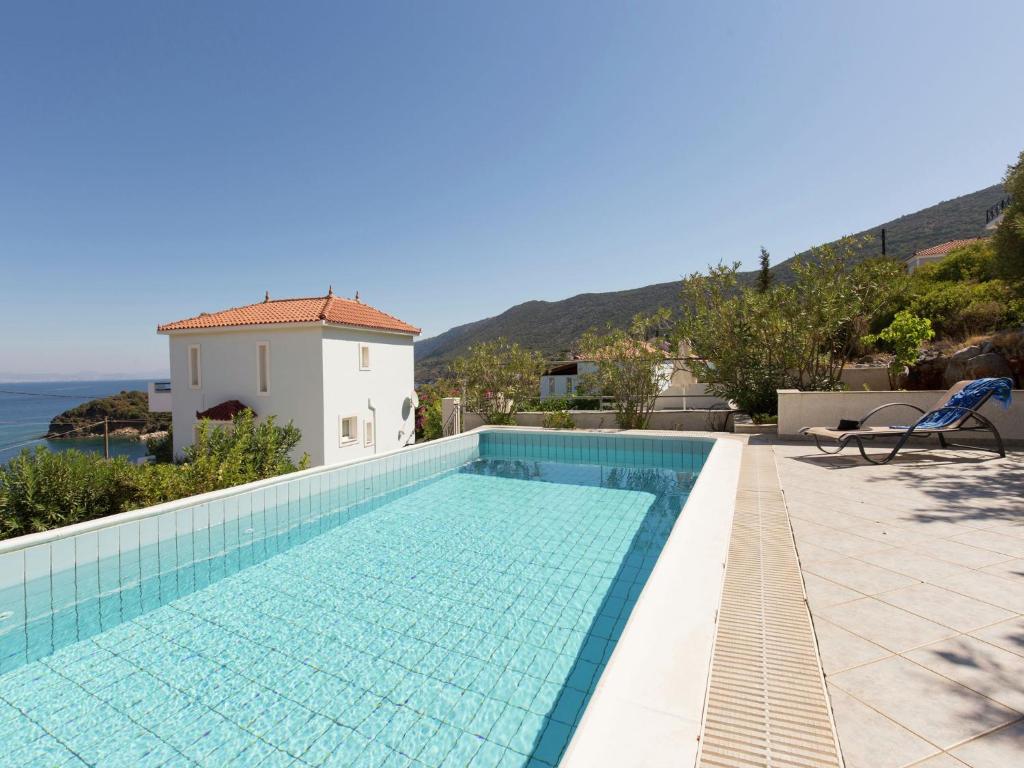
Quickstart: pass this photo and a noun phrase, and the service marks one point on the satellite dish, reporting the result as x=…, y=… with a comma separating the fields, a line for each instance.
x=414, y=399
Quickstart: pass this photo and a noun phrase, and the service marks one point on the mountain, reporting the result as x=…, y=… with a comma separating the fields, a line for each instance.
x=553, y=326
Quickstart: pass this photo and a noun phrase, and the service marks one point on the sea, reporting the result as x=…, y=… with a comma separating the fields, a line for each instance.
x=26, y=409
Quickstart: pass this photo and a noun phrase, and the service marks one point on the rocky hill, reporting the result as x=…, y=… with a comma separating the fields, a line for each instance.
x=553, y=326
x=128, y=413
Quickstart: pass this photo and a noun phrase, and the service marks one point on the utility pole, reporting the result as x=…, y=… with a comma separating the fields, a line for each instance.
x=883, y=241
x=106, y=437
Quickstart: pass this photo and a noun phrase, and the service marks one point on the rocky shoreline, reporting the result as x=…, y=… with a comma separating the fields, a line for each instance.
x=125, y=415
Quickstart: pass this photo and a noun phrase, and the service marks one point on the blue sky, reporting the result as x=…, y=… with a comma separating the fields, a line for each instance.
x=451, y=160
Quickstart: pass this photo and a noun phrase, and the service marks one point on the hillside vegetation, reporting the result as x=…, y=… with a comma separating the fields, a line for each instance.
x=127, y=410
x=552, y=327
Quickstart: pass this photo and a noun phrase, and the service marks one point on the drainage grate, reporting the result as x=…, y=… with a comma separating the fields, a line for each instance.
x=766, y=702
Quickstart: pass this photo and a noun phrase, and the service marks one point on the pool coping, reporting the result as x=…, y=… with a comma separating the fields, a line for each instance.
x=648, y=706
x=108, y=521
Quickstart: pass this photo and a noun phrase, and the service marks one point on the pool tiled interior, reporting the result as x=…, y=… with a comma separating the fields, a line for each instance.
x=463, y=623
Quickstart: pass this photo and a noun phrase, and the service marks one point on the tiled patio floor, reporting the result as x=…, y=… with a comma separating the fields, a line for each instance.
x=914, y=574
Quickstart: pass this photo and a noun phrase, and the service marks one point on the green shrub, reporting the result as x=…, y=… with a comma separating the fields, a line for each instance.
x=558, y=420
x=903, y=338
x=161, y=448
x=41, y=489
x=496, y=376
x=959, y=309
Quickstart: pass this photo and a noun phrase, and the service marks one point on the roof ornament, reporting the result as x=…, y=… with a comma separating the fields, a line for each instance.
x=266, y=297
x=330, y=291
x=357, y=295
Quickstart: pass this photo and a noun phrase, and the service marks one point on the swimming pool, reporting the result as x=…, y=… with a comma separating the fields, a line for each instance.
x=450, y=605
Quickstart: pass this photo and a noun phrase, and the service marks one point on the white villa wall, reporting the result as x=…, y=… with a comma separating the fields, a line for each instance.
x=228, y=366
x=347, y=390
x=559, y=385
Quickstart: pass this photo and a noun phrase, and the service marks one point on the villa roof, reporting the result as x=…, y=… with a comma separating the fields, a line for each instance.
x=327, y=309
x=225, y=411
x=944, y=248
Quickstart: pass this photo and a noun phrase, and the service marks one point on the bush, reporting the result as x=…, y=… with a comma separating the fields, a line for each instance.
x=572, y=403
x=903, y=338
x=631, y=366
x=429, y=422
x=748, y=343
x=41, y=489
x=496, y=376
x=161, y=448
x=559, y=420
x=959, y=309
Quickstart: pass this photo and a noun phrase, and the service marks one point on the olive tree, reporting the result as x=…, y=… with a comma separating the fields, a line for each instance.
x=495, y=375
x=1009, y=237
x=750, y=342
x=737, y=337
x=631, y=366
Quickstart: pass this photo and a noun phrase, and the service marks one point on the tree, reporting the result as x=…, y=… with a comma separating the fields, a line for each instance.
x=904, y=337
x=750, y=343
x=429, y=424
x=764, y=277
x=631, y=366
x=833, y=302
x=495, y=375
x=1009, y=237
x=737, y=337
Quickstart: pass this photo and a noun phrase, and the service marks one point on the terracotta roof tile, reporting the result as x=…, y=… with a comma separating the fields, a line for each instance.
x=330, y=308
x=225, y=411
x=935, y=250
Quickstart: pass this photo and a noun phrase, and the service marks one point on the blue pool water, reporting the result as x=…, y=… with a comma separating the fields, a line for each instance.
x=463, y=620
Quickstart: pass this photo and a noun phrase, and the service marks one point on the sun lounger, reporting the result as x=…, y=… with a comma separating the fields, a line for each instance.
x=956, y=411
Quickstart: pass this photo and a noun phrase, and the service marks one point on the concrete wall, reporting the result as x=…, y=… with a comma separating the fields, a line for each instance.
x=347, y=390
x=875, y=378
x=825, y=409
x=229, y=373
x=701, y=421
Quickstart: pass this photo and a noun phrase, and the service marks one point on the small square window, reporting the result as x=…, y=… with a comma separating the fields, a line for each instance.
x=368, y=432
x=364, y=357
x=348, y=427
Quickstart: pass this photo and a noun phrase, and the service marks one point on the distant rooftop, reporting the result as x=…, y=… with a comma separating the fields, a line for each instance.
x=329, y=309
x=944, y=248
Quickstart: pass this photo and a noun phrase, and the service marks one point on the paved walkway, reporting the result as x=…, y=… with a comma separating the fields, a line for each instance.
x=914, y=574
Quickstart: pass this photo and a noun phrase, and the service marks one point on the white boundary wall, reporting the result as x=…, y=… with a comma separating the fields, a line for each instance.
x=825, y=409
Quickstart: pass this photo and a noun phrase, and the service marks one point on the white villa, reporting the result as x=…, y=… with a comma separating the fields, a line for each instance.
x=562, y=378
x=339, y=369
x=935, y=253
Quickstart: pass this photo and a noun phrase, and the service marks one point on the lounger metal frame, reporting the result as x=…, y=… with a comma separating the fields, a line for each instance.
x=982, y=424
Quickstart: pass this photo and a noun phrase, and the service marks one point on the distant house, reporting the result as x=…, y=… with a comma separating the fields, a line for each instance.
x=562, y=378
x=339, y=369
x=935, y=253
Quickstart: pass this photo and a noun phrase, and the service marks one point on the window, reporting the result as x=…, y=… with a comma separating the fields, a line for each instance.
x=551, y=385
x=368, y=432
x=195, y=373
x=364, y=357
x=263, y=368
x=347, y=430
x=569, y=384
